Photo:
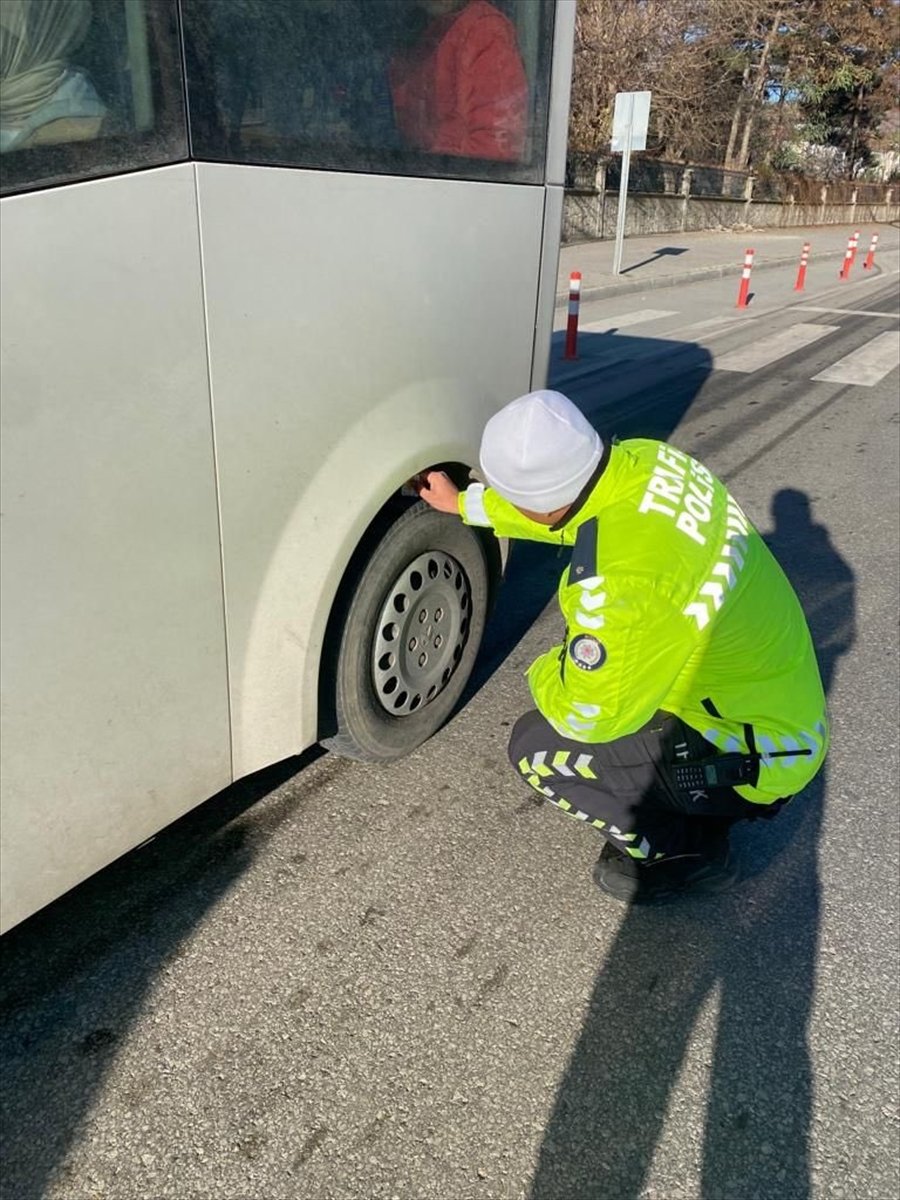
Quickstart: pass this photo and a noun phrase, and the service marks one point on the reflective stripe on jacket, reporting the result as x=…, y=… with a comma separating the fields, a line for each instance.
x=673, y=601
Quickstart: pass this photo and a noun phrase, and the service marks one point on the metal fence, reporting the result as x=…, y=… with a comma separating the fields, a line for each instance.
x=646, y=175
x=593, y=173
x=716, y=181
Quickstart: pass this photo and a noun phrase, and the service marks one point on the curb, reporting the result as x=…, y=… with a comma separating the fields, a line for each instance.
x=603, y=291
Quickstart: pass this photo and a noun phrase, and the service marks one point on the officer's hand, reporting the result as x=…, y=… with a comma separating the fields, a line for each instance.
x=438, y=489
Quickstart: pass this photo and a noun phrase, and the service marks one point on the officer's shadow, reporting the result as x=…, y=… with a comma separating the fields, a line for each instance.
x=748, y=956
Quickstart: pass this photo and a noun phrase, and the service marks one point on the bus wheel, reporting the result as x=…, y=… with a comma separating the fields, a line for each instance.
x=409, y=638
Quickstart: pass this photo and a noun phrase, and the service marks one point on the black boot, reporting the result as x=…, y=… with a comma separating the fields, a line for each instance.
x=706, y=871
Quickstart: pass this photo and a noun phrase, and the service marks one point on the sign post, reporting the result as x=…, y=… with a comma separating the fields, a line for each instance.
x=631, y=117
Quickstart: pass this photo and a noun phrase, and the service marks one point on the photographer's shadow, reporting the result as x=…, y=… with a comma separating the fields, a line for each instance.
x=751, y=954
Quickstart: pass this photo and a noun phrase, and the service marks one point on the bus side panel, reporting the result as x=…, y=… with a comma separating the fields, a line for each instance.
x=546, y=301
x=115, y=715
x=361, y=328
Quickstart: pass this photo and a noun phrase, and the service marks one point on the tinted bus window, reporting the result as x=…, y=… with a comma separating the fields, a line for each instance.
x=88, y=88
x=449, y=88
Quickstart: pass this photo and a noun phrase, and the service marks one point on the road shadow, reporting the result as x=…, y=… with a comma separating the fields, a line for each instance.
x=662, y=252
x=75, y=976
x=748, y=957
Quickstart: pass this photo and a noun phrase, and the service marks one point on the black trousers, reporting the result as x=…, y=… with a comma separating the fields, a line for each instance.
x=625, y=788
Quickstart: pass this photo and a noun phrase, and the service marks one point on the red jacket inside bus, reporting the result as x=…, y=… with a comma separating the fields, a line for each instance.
x=462, y=88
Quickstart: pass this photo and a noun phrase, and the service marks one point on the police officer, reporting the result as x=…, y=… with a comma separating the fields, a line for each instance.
x=685, y=694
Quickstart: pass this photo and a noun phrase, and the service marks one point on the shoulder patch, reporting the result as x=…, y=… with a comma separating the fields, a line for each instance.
x=584, y=552
x=586, y=652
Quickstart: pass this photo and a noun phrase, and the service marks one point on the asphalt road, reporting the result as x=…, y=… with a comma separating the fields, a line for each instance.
x=345, y=981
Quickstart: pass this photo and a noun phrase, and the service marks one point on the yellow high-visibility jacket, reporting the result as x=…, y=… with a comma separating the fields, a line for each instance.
x=672, y=601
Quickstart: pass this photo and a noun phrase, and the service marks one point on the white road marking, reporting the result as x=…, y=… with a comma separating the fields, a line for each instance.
x=711, y=327
x=866, y=366
x=853, y=312
x=768, y=350
x=630, y=318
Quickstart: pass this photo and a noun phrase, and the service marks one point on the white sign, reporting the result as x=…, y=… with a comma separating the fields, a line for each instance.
x=632, y=108
x=630, y=119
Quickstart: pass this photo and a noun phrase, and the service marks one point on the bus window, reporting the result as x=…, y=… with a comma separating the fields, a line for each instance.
x=87, y=88
x=446, y=88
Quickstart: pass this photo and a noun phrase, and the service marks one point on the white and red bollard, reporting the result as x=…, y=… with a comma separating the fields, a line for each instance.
x=870, y=257
x=801, y=272
x=844, y=274
x=744, y=289
x=854, y=244
x=572, y=323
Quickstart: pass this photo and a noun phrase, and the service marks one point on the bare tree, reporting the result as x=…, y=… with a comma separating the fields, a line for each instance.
x=729, y=77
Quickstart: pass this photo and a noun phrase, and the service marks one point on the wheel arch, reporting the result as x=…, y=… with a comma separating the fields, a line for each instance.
x=338, y=512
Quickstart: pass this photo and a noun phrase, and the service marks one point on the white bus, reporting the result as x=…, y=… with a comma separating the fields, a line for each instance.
x=257, y=274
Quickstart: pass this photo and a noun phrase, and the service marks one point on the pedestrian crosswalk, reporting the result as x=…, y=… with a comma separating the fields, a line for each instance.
x=866, y=366
x=761, y=353
x=623, y=320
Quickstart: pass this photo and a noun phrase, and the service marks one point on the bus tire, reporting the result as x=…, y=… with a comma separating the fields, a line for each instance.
x=409, y=636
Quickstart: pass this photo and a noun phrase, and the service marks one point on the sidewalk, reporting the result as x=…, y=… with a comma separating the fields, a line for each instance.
x=670, y=258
